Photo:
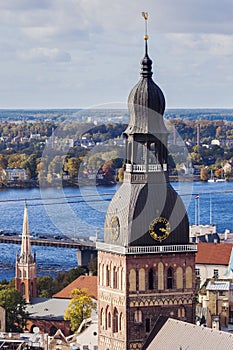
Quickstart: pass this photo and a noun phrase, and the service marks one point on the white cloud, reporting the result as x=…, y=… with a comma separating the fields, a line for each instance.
x=43, y=54
x=190, y=44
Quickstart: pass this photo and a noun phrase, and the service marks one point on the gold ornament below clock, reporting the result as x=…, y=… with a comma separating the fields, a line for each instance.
x=115, y=227
x=159, y=229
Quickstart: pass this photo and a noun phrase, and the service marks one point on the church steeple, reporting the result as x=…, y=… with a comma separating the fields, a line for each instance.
x=26, y=244
x=25, y=279
x=146, y=263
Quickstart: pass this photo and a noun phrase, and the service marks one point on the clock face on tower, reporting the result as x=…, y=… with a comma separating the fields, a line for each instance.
x=159, y=229
x=115, y=227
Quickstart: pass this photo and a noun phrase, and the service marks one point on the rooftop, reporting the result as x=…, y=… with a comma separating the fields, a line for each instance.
x=213, y=253
x=48, y=308
x=182, y=335
x=82, y=282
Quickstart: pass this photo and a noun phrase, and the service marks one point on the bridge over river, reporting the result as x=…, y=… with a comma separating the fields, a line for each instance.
x=86, y=250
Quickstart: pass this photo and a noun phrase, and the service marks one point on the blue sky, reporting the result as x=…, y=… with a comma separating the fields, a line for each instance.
x=82, y=53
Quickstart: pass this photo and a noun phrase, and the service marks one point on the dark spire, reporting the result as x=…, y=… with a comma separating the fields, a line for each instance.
x=146, y=63
x=146, y=101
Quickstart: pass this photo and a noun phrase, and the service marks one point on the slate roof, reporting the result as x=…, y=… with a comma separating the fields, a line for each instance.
x=182, y=335
x=51, y=309
x=218, y=285
x=87, y=282
x=213, y=253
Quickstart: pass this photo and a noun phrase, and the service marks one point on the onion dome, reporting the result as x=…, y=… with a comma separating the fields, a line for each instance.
x=146, y=102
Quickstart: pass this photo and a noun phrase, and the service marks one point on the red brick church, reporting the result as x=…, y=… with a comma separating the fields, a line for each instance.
x=146, y=263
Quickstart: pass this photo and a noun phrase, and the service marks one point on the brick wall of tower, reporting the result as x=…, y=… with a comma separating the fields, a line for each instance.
x=144, y=294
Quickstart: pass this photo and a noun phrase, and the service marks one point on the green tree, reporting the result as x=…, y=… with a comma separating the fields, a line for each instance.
x=45, y=286
x=80, y=308
x=15, y=306
x=72, y=167
x=204, y=174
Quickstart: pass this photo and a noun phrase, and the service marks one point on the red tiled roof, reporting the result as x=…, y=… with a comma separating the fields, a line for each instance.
x=87, y=282
x=213, y=253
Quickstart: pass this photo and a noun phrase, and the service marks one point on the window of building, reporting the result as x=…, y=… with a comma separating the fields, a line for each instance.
x=138, y=316
x=181, y=312
x=179, y=278
x=109, y=319
x=151, y=279
x=115, y=278
x=132, y=280
x=107, y=276
x=141, y=282
x=169, y=278
x=115, y=320
x=188, y=277
x=102, y=317
x=197, y=272
x=147, y=325
x=215, y=273
x=22, y=289
x=160, y=276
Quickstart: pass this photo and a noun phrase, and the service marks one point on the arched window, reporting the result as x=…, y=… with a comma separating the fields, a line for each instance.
x=107, y=318
x=107, y=276
x=115, y=278
x=147, y=325
x=181, y=312
x=169, y=278
x=142, y=282
x=138, y=316
x=115, y=320
x=132, y=280
x=121, y=326
x=188, y=277
x=151, y=279
x=22, y=287
x=102, y=317
x=179, y=278
x=160, y=276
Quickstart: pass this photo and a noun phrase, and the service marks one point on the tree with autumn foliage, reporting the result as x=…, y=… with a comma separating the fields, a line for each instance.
x=80, y=308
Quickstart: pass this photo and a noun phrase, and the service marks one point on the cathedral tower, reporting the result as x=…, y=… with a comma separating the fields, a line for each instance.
x=25, y=278
x=146, y=265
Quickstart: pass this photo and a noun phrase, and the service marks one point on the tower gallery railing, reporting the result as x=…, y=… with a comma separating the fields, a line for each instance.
x=183, y=248
x=142, y=168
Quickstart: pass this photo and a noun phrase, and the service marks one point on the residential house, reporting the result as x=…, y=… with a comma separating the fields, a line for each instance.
x=212, y=260
x=15, y=174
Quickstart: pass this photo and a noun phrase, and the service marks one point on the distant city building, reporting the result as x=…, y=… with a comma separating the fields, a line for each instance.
x=217, y=299
x=215, y=142
x=15, y=174
x=213, y=260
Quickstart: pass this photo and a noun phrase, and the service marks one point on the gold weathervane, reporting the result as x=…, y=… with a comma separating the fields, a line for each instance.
x=145, y=16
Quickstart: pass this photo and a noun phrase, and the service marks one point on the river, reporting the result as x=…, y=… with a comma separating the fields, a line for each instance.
x=80, y=212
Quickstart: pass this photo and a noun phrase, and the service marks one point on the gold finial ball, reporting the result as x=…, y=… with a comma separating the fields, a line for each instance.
x=146, y=37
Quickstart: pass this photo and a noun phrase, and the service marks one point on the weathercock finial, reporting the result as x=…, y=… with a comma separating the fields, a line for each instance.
x=145, y=16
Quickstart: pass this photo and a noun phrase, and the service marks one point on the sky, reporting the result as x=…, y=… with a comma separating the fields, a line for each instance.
x=87, y=53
